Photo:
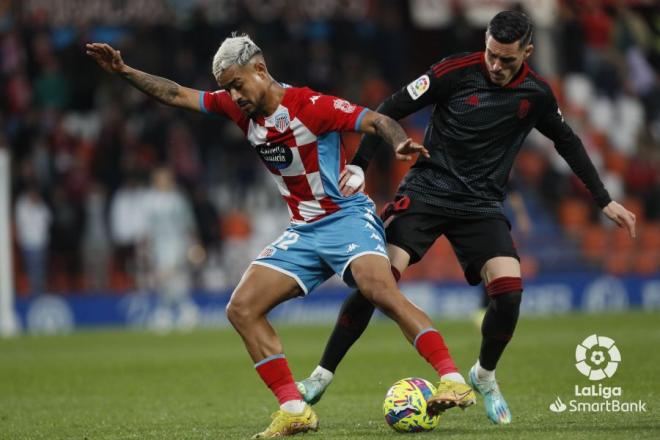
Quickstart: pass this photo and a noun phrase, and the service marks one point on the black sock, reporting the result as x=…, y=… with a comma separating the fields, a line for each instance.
x=485, y=299
x=498, y=326
x=353, y=318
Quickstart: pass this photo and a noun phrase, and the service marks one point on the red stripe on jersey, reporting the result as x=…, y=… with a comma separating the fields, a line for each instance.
x=440, y=71
x=450, y=65
x=309, y=157
x=520, y=78
x=445, y=63
x=537, y=76
x=329, y=206
x=299, y=187
x=293, y=207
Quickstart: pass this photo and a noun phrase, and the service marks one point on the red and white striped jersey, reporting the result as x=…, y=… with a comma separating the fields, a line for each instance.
x=300, y=145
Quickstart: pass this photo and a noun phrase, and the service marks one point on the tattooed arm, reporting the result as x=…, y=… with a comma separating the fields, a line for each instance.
x=164, y=90
x=392, y=133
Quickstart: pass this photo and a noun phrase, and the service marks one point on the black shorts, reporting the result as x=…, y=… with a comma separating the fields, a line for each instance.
x=414, y=226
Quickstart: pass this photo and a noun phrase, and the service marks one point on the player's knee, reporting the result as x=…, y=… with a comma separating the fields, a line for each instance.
x=238, y=312
x=372, y=285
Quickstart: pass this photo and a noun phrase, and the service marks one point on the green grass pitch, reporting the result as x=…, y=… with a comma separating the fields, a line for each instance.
x=132, y=385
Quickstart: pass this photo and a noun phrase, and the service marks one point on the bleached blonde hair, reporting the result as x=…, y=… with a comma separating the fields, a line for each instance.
x=237, y=49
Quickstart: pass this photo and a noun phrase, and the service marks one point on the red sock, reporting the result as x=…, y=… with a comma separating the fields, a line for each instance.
x=431, y=346
x=275, y=372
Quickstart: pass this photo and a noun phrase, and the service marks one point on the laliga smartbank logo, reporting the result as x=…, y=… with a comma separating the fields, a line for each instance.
x=597, y=358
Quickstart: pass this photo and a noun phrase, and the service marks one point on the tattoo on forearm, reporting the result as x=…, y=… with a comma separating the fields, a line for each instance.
x=390, y=131
x=160, y=88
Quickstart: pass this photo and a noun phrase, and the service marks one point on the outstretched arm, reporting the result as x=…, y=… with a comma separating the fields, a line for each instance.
x=391, y=132
x=570, y=147
x=164, y=90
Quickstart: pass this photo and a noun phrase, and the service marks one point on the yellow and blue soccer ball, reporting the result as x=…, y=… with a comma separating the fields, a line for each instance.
x=405, y=406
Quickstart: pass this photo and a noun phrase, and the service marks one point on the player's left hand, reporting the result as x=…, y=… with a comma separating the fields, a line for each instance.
x=351, y=180
x=406, y=149
x=621, y=216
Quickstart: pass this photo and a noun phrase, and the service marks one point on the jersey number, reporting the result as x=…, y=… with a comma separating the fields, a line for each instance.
x=286, y=240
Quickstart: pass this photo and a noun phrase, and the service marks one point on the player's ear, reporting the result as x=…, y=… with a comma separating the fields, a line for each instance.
x=528, y=51
x=260, y=67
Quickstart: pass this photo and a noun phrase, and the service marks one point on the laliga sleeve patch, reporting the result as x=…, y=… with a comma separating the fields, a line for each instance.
x=418, y=87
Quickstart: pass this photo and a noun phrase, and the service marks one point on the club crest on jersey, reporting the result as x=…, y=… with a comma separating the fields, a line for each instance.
x=418, y=87
x=275, y=156
x=280, y=121
x=343, y=105
x=523, y=108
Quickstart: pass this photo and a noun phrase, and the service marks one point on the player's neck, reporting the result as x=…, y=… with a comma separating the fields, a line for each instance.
x=273, y=98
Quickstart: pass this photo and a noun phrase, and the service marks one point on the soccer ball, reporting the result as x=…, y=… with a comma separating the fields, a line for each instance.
x=405, y=406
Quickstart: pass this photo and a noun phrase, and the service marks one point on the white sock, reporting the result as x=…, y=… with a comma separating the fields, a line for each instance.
x=325, y=376
x=293, y=406
x=482, y=373
x=455, y=376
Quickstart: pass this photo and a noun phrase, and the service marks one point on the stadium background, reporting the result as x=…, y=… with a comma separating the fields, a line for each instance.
x=78, y=240
x=84, y=146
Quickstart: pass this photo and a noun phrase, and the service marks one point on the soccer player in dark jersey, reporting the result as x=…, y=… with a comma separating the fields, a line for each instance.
x=295, y=131
x=484, y=105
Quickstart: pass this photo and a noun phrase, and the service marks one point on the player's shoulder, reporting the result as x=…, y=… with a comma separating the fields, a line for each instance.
x=540, y=82
x=457, y=63
x=301, y=97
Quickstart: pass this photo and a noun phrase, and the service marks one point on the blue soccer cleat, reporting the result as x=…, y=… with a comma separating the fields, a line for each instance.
x=497, y=409
x=311, y=389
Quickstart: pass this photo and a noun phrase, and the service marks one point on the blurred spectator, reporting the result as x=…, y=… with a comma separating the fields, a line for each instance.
x=96, y=240
x=68, y=123
x=168, y=237
x=207, y=220
x=33, y=220
x=66, y=240
x=127, y=224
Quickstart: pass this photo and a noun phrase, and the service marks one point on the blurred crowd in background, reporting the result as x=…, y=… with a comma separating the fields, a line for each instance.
x=113, y=191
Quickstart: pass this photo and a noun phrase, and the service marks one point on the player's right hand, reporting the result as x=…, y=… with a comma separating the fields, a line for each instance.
x=621, y=216
x=405, y=150
x=107, y=57
x=351, y=180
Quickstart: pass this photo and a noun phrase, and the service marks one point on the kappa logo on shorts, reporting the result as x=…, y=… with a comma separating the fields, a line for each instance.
x=376, y=237
x=352, y=247
x=369, y=216
x=369, y=226
x=380, y=248
x=418, y=87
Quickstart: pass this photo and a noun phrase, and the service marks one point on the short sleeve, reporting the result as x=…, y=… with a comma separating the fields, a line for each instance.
x=325, y=113
x=220, y=103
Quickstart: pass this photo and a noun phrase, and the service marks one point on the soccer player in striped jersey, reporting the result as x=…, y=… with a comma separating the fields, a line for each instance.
x=484, y=106
x=295, y=132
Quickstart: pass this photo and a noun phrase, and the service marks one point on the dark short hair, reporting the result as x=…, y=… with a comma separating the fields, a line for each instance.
x=511, y=26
